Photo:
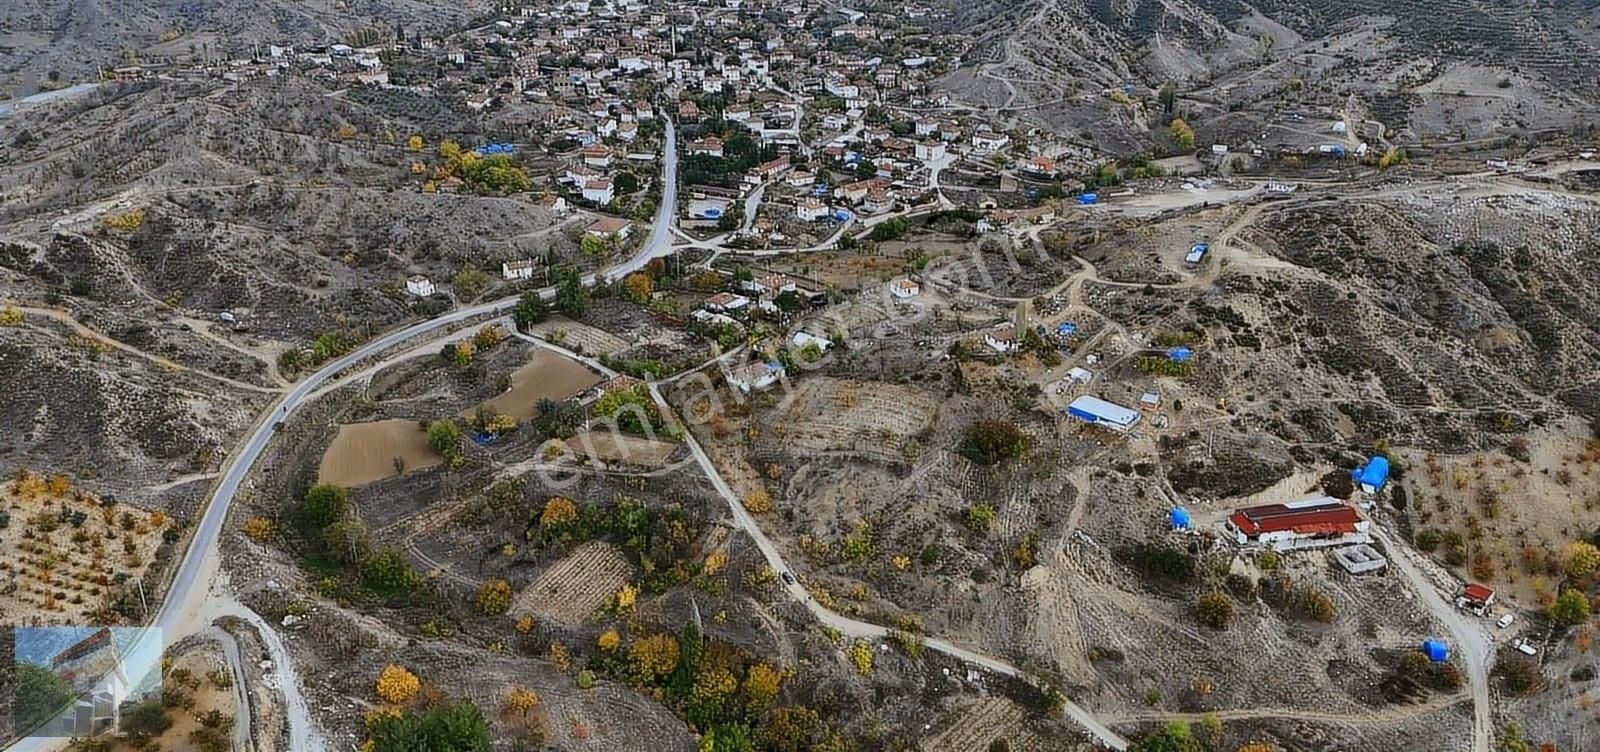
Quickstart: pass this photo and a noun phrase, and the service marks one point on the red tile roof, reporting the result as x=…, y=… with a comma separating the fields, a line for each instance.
x=1311, y=519
x=1476, y=592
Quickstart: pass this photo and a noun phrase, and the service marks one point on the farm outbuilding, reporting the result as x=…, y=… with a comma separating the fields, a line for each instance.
x=1102, y=413
x=1372, y=476
x=1436, y=650
x=1307, y=523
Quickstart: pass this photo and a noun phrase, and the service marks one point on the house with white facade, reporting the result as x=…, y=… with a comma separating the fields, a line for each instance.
x=420, y=286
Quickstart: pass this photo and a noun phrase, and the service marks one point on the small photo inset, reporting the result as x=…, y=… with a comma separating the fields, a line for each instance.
x=78, y=682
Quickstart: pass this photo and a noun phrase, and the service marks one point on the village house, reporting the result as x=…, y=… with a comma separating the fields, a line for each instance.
x=597, y=156
x=710, y=145
x=518, y=269
x=878, y=199
x=755, y=375
x=607, y=228
x=904, y=288
x=599, y=190
x=1002, y=338
x=420, y=286
x=811, y=210
x=726, y=302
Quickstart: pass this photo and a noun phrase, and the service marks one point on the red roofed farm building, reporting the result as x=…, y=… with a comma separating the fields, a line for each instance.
x=1308, y=523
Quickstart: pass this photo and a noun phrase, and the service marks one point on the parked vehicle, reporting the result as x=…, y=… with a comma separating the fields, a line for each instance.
x=1505, y=621
x=1525, y=647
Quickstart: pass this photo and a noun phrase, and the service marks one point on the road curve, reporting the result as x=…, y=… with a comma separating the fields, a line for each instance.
x=187, y=592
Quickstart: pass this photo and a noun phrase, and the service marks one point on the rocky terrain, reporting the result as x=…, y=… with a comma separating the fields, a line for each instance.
x=74, y=37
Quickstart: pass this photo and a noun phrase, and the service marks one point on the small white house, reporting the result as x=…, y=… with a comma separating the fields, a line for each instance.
x=519, y=269
x=904, y=288
x=726, y=302
x=600, y=191
x=420, y=286
x=811, y=210
x=1003, y=338
x=755, y=375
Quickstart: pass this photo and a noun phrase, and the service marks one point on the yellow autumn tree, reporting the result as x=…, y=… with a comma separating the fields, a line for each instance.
x=640, y=287
x=761, y=687
x=397, y=685
x=10, y=315
x=716, y=561
x=652, y=658
x=60, y=485
x=494, y=597
x=609, y=640
x=558, y=511
x=758, y=501
x=627, y=596
x=258, y=528
x=861, y=657
x=521, y=701
x=414, y=143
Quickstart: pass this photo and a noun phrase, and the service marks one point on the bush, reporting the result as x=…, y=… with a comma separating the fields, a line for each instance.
x=347, y=542
x=987, y=442
x=324, y=504
x=1164, y=562
x=1428, y=539
x=40, y=696
x=389, y=573
x=1214, y=610
x=1570, y=608
x=494, y=597
x=458, y=728
x=396, y=685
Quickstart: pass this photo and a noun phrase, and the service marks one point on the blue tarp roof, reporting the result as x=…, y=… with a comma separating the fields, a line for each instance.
x=1375, y=473
x=1179, y=518
x=1180, y=354
x=1066, y=328
x=1089, y=198
x=1436, y=650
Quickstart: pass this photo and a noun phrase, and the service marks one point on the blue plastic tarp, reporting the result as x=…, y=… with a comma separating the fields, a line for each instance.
x=1180, y=354
x=1179, y=518
x=1436, y=650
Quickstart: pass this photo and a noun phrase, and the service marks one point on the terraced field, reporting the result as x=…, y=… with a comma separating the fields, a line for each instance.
x=573, y=588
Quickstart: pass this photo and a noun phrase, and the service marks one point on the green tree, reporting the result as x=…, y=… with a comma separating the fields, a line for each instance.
x=447, y=728
x=146, y=720
x=1582, y=559
x=572, y=298
x=1214, y=610
x=557, y=420
x=626, y=182
x=1182, y=134
x=987, y=442
x=1169, y=96
x=388, y=572
x=324, y=504
x=1176, y=736
x=348, y=542
x=40, y=697
x=531, y=309
x=444, y=438
x=1570, y=608
x=469, y=281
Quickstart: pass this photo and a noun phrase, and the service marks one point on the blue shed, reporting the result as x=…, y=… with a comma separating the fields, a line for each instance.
x=1179, y=518
x=840, y=215
x=1436, y=650
x=1088, y=198
x=1066, y=329
x=1373, y=475
x=1180, y=354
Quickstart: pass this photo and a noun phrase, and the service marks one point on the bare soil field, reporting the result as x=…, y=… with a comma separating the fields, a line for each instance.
x=65, y=552
x=365, y=452
x=547, y=375
x=612, y=447
x=575, y=587
x=577, y=337
x=831, y=417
